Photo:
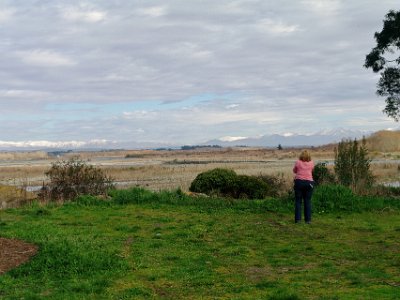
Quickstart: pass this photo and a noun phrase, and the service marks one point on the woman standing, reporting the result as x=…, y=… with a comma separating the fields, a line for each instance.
x=303, y=186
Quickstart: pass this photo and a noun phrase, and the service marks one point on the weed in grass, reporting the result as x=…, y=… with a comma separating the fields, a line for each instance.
x=284, y=295
x=127, y=228
x=42, y=212
x=134, y=293
x=265, y=284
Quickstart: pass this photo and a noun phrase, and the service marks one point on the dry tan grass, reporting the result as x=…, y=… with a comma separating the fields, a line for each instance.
x=384, y=141
x=11, y=196
x=160, y=170
x=386, y=171
x=28, y=155
x=18, y=175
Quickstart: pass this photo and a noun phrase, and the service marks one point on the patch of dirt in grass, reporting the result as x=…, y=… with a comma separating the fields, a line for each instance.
x=14, y=253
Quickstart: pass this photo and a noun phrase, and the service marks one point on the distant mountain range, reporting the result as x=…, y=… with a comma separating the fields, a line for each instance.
x=270, y=141
x=291, y=140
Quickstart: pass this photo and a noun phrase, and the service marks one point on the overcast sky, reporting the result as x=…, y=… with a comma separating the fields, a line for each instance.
x=186, y=71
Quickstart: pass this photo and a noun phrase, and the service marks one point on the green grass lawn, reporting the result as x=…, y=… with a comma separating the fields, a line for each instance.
x=171, y=251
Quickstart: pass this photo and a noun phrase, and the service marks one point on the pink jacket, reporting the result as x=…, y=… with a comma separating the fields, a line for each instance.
x=303, y=170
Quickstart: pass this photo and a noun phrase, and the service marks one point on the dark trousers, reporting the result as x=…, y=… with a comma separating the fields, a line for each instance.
x=303, y=190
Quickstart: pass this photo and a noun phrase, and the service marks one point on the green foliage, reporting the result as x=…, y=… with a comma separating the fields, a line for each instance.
x=141, y=196
x=330, y=198
x=389, y=87
x=70, y=179
x=352, y=164
x=327, y=198
x=322, y=175
x=226, y=183
x=250, y=187
x=284, y=295
x=387, y=41
x=214, y=182
x=133, y=196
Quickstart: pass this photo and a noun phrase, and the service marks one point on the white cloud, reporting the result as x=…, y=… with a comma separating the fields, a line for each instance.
x=45, y=58
x=276, y=27
x=83, y=14
x=287, y=134
x=6, y=15
x=188, y=50
x=232, y=138
x=141, y=115
x=153, y=11
x=209, y=116
x=132, y=71
x=22, y=94
x=116, y=77
x=323, y=7
x=56, y=144
x=297, y=101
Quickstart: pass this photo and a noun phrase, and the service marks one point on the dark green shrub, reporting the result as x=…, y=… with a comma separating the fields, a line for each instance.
x=322, y=175
x=352, y=165
x=226, y=183
x=215, y=182
x=249, y=187
x=70, y=179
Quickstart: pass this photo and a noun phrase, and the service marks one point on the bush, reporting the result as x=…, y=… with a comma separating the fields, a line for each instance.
x=226, y=183
x=322, y=175
x=352, y=165
x=215, y=182
x=70, y=179
x=250, y=187
x=277, y=186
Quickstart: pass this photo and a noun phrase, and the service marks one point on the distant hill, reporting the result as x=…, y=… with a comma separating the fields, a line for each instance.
x=384, y=141
x=292, y=140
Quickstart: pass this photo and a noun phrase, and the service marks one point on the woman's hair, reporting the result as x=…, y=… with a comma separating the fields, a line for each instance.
x=305, y=156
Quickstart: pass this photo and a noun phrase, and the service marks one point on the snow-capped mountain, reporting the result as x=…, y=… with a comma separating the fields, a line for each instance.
x=287, y=139
x=43, y=144
x=322, y=137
